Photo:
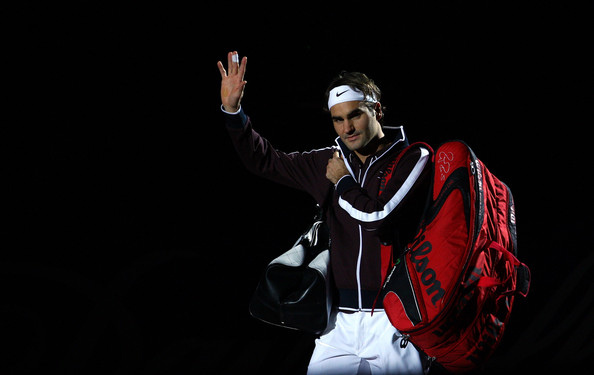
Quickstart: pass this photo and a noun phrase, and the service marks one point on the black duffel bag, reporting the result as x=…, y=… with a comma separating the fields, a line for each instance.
x=295, y=291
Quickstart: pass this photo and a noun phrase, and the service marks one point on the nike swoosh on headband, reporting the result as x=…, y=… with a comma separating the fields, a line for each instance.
x=346, y=93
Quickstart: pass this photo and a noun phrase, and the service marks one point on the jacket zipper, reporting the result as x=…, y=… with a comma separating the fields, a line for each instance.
x=359, y=269
x=360, y=256
x=361, y=182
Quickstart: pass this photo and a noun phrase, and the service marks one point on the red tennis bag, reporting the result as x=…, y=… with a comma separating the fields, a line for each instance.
x=451, y=291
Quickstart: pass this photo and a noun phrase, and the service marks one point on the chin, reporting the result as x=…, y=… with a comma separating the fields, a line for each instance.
x=355, y=145
x=352, y=147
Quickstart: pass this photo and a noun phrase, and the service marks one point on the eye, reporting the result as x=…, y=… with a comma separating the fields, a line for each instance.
x=355, y=116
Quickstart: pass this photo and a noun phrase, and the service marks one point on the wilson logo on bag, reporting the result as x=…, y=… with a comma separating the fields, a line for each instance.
x=452, y=290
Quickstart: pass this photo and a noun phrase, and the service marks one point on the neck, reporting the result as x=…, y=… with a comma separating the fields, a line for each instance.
x=376, y=144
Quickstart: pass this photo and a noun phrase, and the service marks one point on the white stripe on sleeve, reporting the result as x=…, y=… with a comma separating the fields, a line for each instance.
x=396, y=199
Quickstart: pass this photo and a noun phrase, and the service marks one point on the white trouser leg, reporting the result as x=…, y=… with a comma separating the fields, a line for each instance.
x=357, y=343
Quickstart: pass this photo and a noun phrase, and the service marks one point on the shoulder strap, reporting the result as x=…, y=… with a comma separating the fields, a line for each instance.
x=387, y=249
x=391, y=166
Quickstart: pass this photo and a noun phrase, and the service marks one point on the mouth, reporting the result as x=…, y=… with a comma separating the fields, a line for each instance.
x=352, y=138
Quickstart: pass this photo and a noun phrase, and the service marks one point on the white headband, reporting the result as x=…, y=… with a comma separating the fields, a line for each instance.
x=345, y=93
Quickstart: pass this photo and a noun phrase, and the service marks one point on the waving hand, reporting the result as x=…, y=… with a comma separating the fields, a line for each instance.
x=232, y=83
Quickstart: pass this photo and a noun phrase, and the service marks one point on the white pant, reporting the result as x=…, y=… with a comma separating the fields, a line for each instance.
x=358, y=343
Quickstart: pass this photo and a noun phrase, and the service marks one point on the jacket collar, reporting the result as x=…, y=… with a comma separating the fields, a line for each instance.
x=396, y=133
x=399, y=142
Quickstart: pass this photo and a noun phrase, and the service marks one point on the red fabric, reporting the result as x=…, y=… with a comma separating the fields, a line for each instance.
x=463, y=276
x=387, y=250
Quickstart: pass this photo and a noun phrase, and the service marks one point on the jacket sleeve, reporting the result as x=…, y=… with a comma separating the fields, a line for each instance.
x=408, y=183
x=301, y=170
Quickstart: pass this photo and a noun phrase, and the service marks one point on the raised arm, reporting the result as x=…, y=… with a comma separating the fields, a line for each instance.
x=232, y=83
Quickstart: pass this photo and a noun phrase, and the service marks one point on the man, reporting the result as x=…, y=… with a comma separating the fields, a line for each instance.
x=362, y=209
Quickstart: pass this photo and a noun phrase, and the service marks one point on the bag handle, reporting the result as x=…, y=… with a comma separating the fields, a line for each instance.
x=522, y=273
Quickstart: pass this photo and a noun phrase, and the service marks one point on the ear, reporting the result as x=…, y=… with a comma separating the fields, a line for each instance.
x=378, y=111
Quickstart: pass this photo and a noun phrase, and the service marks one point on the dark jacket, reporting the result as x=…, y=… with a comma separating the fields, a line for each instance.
x=358, y=214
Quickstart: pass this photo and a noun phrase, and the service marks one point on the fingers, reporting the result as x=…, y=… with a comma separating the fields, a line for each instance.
x=335, y=157
x=233, y=62
x=242, y=67
x=336, y=168
x=230, y=62
x=233, y=65
x=222, y=69
x=233, y=83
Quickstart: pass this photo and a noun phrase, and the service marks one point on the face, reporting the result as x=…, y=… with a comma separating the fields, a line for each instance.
x=356, y=124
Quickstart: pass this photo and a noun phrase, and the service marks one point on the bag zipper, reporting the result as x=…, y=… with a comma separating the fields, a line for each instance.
x=475, y=226
x=412, y=283
x=444, y=312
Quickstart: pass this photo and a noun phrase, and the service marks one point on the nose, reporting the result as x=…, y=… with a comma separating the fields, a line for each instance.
x=348, y=127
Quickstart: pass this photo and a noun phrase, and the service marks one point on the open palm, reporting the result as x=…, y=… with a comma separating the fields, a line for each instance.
x=232, y=83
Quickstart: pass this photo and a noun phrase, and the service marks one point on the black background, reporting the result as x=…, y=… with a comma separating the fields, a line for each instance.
x=133, y=237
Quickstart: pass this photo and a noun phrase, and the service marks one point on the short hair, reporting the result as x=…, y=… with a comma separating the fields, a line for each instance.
x=359, y=81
